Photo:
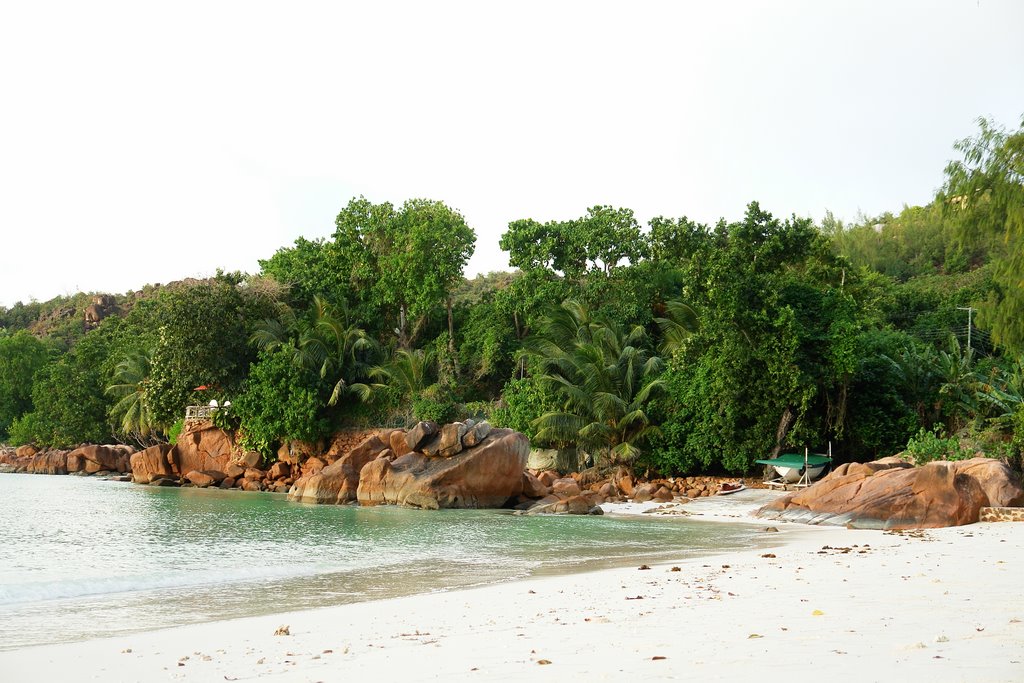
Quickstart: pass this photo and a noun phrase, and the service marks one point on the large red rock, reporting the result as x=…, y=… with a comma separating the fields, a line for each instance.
x=26, y=451
x=416, y=437
x=532, y=488
x=892, y=495
x=398, y=443
x=152, y=463
x=103, y=458
x=48, y=462
x=204, y=448
x=279, y=470
x=200, y=479
x=485, y=476
x=997, y=480
x=448, y=441
x=338, y=482
x=566, y=487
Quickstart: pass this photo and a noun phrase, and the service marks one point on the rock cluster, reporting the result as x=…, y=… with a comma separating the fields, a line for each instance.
x=892, y=494
x=548, y=492
x=102, y=460
x=462, y=464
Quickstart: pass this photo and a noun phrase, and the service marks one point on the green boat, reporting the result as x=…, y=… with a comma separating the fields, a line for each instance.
x=797, y=468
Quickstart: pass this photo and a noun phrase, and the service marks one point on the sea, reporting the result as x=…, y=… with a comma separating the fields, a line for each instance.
x=83, y=558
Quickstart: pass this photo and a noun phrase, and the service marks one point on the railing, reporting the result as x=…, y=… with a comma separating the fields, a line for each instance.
x=197, y=413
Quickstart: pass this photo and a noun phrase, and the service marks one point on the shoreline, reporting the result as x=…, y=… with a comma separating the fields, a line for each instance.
x=939, y=604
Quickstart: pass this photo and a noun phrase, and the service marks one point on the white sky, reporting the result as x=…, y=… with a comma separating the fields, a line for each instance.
x=146, y=142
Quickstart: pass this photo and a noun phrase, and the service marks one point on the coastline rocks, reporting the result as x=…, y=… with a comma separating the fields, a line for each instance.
x=891, y=494
x=487, y=475
x=151, y=464
x=996, y=479
x=533, y=488
x=337, y=483
x=420, y=434
x=48, y=462
x=201, y=449
x=204, y=479
x=565, y=487
x=93, y=459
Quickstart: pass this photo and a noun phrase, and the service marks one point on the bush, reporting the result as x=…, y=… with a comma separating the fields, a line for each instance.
x=523, y=401
x=435, y=403
x=279, y=401
x=174, y=431
x=25, y=429
x=928, y=446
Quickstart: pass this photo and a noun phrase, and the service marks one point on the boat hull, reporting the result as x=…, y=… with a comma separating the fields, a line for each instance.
x=791, y=475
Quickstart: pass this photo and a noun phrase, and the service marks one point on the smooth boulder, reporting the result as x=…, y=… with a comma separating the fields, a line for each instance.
x=151, y=464
x=893, y=495
x=201, y=449
x=337, y=483
x=487, y=475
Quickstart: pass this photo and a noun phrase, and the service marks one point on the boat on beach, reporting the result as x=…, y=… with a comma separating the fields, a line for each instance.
x=795, y=468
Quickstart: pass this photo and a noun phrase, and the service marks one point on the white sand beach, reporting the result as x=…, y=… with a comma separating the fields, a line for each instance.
x=836, y=604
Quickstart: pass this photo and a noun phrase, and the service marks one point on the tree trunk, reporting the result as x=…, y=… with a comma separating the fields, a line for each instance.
x=785, y=422
x=403, y=341
x=451, y=329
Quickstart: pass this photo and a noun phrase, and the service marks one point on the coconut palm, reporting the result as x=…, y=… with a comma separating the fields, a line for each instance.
x=325, y=341
x=132, y=411
x=1004, y=393
x=678, y=323
x=407, y=371
x=604, y=376
x=959, y=385
x=915, y=368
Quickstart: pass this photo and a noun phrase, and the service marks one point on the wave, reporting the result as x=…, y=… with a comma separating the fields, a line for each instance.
x=62, y=589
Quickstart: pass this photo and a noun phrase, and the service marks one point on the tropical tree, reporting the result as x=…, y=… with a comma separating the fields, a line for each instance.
x=408, y=371
x=959, y=385
x=985, y=192
x=202, y=334
x=915, y=368
x=603, y=377
x=21, y=355
x=1003, y=392
x=132, y=412
x=325, y=341
x=406, y=260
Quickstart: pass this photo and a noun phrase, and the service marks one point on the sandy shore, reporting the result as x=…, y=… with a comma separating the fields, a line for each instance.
x=938, y=605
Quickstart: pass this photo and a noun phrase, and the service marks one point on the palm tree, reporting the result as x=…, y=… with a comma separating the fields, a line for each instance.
x=604, y=376
x=132, y=410
x=324, y=341
x=916, y=371
x=958, y=384
x=679, y=322
x=407, y=371
x=1005, y=393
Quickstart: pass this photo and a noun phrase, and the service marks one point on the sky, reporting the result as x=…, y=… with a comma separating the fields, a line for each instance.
x=145, y=142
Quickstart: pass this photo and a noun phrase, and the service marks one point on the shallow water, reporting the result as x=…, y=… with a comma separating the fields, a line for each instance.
x=83, y=558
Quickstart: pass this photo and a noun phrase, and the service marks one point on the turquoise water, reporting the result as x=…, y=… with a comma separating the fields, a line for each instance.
x=83, y=558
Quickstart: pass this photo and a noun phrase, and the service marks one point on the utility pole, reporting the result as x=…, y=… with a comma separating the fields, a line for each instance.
x=970, y=312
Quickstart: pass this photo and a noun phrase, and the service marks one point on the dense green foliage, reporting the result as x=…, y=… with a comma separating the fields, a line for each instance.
x=21, y=355
x=603, y=377
x=675, y=346
x=984, y=194
x=68, y=397
x=281, y=400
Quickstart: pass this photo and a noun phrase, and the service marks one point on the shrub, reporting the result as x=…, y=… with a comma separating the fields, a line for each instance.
x=435, y=403
x=174, y=431
x=928, y=446
x=523, y=401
